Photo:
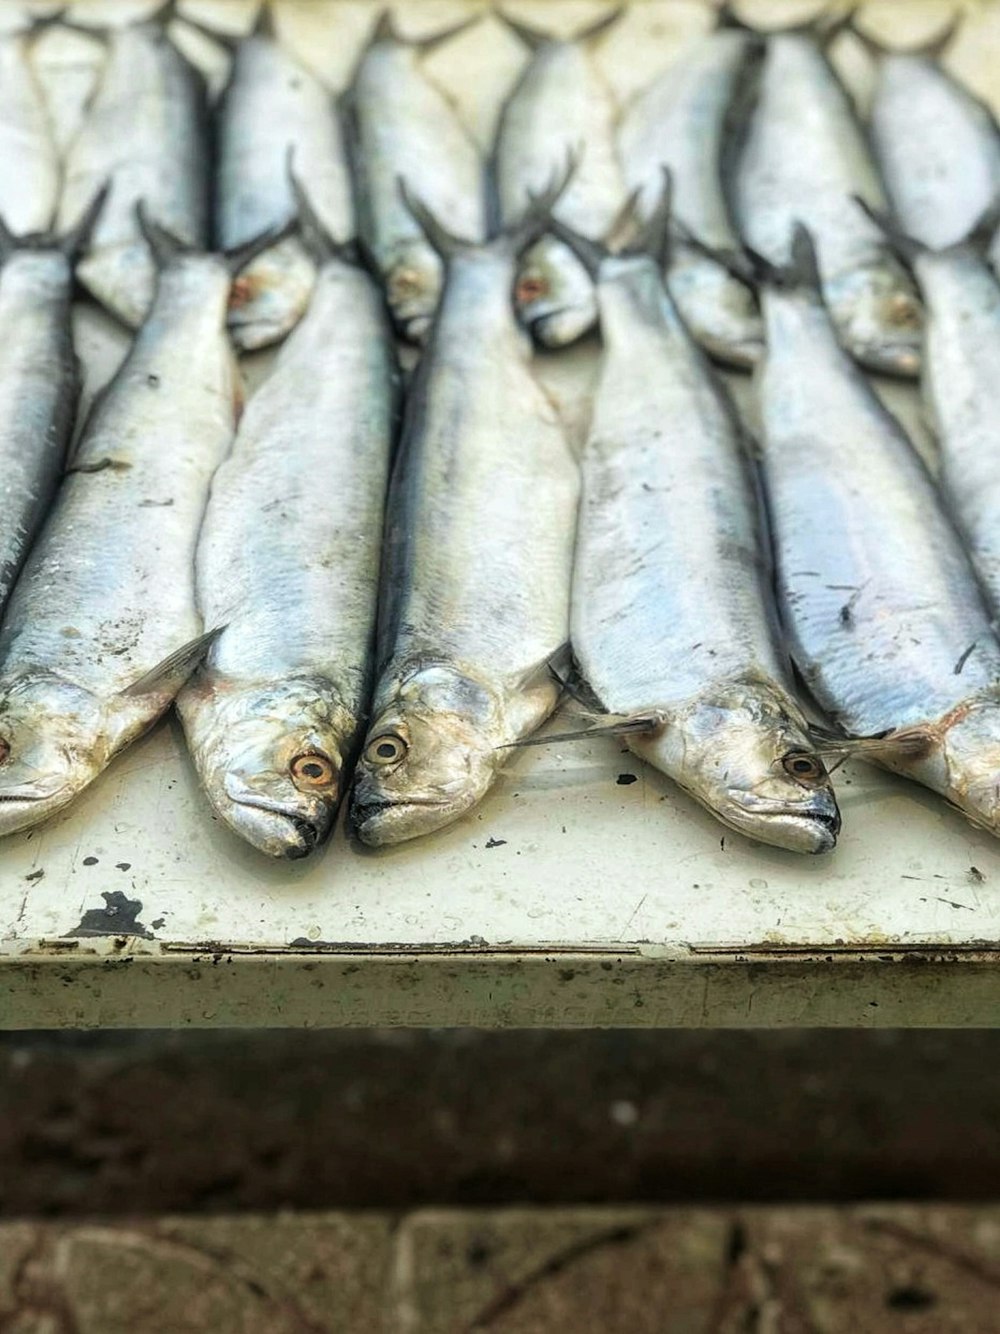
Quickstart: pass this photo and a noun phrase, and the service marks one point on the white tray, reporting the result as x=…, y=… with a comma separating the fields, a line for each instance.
x=570, y=897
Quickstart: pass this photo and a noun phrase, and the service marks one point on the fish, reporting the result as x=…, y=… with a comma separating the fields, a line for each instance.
x=938, y=146
x=274, y=715
x=274, y=110
x=673, y=619
x=102, y=627
x=146, y=131
x=30, y=171
x=479, y=549
x=39, y=380
x=961, y=371
x=804, y=158
x=400, y=125
x=884, y=615
x=680, y=122
x=559, y=110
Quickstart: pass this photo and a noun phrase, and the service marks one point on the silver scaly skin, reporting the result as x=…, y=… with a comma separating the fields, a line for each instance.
x=680, y=122
x=960, y=379
x=288, y=561
x=886, y=620
x=29, y=159
x=39, y=389
x=145, y=132
x=102, y=625
x=272, y=109
x=804, y=159
x=672, y=613
x=560, y=110
x=404, y=128
x=939, y=150
x=476, y=574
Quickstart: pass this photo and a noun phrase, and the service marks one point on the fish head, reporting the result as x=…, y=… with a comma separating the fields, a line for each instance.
x=743, y=752
x=53, y=742
x=430, y=756
x=879, y=318
x=413, y=288
x=719, y=310
x=269, y=296
x=962, y=761
x=554, y=295
x=271, y=758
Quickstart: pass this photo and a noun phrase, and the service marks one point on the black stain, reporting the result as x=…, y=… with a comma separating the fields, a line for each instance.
x=625, y=780
x=495, y=842
x=90, y=861
x=35, y=875
x=118, y=917
x=910, y=1298
x=123, y=866
x=159, y=924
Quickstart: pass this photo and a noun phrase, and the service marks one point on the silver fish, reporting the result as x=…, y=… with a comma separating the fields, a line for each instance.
x=680, y=122
x=560, y=110
x=29, y=159
x=146, y=133
x=102, y=627
x=291, y=568
x=672, y=618
x=274, y=109
x=886, y=620
x=404, y=128
x=476, y=574
x=805, y=159
x=938, y=147
x=961, y=372
x=39, y=382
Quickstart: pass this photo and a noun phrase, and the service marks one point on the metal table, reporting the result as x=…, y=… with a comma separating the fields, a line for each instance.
x=586, y=890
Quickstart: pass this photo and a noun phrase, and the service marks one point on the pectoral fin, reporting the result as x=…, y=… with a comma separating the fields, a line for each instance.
x=170, y=674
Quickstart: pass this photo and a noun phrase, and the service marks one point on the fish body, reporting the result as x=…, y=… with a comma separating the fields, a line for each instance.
x=102, y=624
x=938, y=147
x=804, y=159
x=560, y=111
x=146, y=134
x=477, y=567
x=960, y=378
x=403, y=129
x=39, y=389
x=273, y=110
x=29, y=159
x=288, y=562
x=680, y=122
x=886, y=620
x=671, y=592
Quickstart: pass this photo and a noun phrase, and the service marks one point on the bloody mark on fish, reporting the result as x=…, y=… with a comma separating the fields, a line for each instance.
x=246, y=288
x=118, y=917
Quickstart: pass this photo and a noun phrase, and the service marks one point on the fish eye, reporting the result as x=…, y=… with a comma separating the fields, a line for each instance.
x=530, y=287
x=386, y=749
x=312, y=770
x=804, y=767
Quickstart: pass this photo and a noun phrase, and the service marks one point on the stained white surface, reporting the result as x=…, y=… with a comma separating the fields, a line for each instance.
x=567, y=856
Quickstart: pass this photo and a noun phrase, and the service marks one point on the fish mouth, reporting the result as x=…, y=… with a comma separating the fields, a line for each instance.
x=744, y=355
x=560, y=328
x=379, y=822
x=274, y=828
x=808, y=829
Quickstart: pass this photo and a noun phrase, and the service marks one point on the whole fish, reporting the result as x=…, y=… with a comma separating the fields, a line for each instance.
x=273, y=109
x=673, y=623
x=680, y=122
x=145, y=132
x=476, y=573
x=961, y=372
x=938, y=146
x=29, y=159
x=288, y=561
x=805, y=158
x=886, y=620
x=102, y=627
x=403, y=127
x=39, y=381
x=560, y=110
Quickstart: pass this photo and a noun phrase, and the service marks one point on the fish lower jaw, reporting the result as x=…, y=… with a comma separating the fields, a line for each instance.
x=19, y=812
x=379, y=823
x=812, y=833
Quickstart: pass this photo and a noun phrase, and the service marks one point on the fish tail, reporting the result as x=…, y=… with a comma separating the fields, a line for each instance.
x=800, y=272
x=533, y=37
x=314, y=233
x=71, y=243
x=384, y=29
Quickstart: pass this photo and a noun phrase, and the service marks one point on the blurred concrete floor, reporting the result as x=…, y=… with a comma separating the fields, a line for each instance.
x=417, y=1182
